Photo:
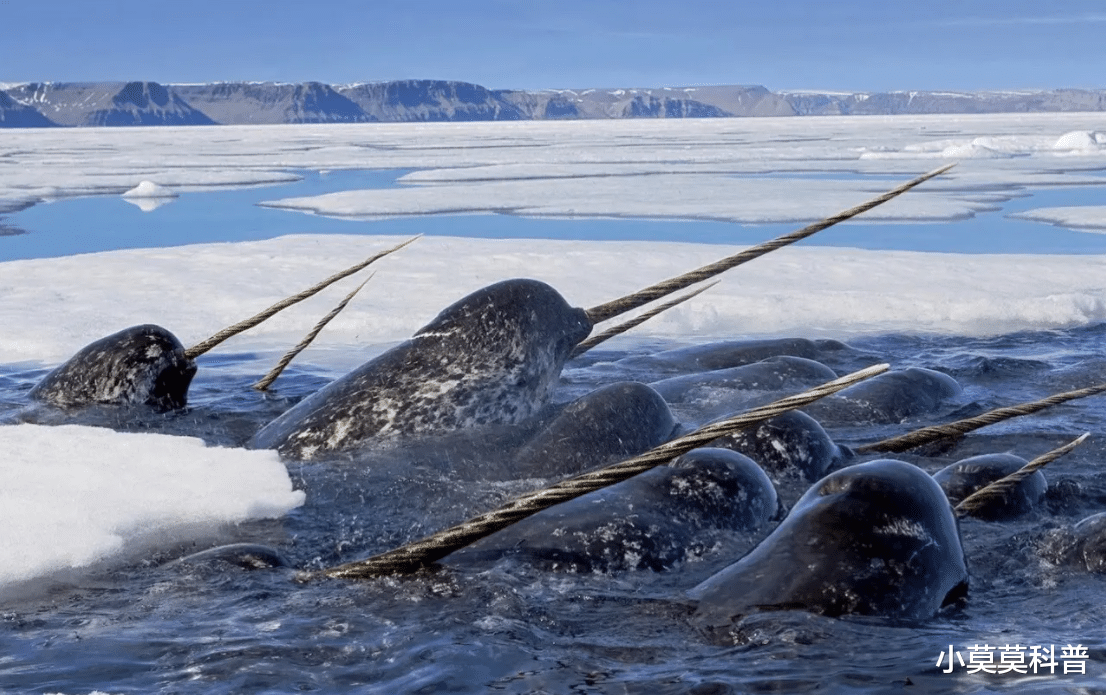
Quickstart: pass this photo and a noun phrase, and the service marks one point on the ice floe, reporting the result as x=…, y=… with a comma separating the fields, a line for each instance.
x=73, y=496
x=807, y=291
x=1090, y=218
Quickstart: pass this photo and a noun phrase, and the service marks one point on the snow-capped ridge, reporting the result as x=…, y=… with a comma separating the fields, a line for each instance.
x=267, y=102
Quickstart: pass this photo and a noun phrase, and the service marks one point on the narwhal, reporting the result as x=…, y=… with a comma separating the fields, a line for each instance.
x=147, y=364
x=492, y=358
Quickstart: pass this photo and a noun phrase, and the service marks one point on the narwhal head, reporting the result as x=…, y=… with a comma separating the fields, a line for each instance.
x=147, y=364
x=521, y=331
x=139, y=365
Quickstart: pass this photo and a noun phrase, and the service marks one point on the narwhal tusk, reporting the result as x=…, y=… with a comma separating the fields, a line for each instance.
x=1002, y=486
x=202, y=347
x=933, y=433
x=634, y=322
x=269, y=378
x=615, y=307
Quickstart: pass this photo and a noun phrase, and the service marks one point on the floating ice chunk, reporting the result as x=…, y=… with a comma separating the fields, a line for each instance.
x=979, y=148
x=149, y=196
x=749, y=200
x=149, y=189
x=1089, y=218
x=72, y=496
x=1081, y=140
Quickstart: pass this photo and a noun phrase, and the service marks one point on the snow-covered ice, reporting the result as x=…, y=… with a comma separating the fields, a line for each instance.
x=148, y=196
x=540, y=159
x=72, y=496
x=1081, y=140
x=196, y=290
x=149, y=189
x=1091, y=218
x=673, y=196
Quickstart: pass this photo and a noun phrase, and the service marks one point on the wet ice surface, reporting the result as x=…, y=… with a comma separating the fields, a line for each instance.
x=148, y=626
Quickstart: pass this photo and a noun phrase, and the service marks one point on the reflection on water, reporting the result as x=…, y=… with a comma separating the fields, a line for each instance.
x=148, y=204
x=104, y=223
x=107, y=223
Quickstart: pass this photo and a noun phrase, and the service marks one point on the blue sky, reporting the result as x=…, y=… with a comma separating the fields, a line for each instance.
x=782, y=44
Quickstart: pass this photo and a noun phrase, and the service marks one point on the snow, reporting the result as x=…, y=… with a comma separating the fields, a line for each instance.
x=697, y=196
x=196, y=290
x=1081, y=140
x=980, y=148
x=39, y=163
x=72, y=496
x=149, y=196
x=149, y=189
x=709, y=168
x=1085, y=217
x=813, y=92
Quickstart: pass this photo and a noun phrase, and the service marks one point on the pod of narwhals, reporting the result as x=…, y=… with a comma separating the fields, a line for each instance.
x=875, y=538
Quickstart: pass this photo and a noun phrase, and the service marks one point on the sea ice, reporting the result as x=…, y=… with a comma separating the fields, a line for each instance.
x=1081, y=140
x=149, y=189
x=799, y=291
x=1088, y=218
x=37, y=164
x=72, y=496
x=149, y=196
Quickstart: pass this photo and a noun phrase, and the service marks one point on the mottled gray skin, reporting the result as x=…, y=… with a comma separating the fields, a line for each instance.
x=138, y=365
x=888, y=398
x=962, y=478
x=734, y=353
x=248, y=556
x=609, y=424
x=877, y=538
x=772, y=374
x=1090, y=539
x=492, y=358
x=1082, y=546
x=651, y=521
x=792, y=446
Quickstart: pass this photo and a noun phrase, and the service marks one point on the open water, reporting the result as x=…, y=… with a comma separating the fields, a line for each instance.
x=105, y=223
x=152, y=626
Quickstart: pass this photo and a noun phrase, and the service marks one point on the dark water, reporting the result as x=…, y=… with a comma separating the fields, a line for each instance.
x=105, y=223
x=148, y=626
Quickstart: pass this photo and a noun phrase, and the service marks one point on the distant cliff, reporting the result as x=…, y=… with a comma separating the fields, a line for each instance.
x=688, y=102
x=239, y=103
x=431, y=100
x=108, y=104
x=258, y=103
x=13, y=114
